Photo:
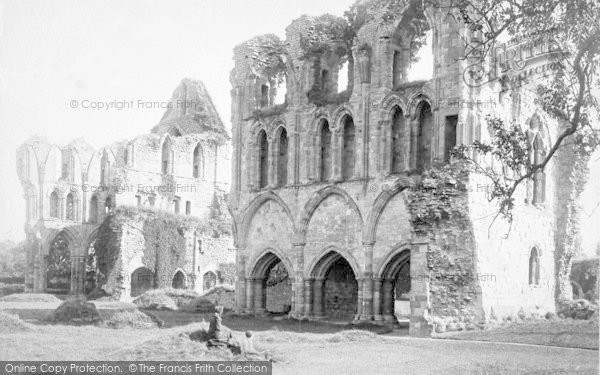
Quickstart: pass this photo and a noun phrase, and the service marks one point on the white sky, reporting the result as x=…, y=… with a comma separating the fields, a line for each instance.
x=53, y=52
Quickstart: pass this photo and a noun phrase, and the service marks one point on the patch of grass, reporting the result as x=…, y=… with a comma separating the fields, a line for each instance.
x=10, y=323
x=567, y=333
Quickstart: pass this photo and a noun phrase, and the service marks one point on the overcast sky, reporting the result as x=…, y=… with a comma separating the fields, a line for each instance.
x=55, y=52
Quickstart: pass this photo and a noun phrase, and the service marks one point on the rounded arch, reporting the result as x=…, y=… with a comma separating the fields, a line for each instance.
x=313, y=203
x=253, y=208
x=198, y=161
x=398, y=255
x=329, y=255
x=262, y=262
x=370, y=228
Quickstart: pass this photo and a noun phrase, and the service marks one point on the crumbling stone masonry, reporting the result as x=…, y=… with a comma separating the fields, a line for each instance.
x=348, y=188
x=177, y=170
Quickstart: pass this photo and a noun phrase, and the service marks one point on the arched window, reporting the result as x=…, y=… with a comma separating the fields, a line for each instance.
x=263, y=159
x=70, y=207
x=325, y=161
x=93, y=218
x=54, y=205
x=264, y=95
x=425, y=136
x=209, y=280
x=398, y=136
x=324, y=80
x=198, y=171
x=539, y=178
x=349, y=148
x=534, y=267
x=108, y=204
x=166, y=157
x=282, y=158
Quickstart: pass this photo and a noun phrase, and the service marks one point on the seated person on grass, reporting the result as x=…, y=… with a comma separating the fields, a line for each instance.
x=218, y=335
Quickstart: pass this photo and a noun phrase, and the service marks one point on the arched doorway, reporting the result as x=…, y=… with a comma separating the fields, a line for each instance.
x=58, y=265
x=335, y=288
x=209, y=280
x=178, y=280
x=394, y=287
x=142, y=280
x=272, y=285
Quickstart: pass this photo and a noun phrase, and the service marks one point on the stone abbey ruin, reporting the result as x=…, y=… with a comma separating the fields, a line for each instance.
x=134, y=215
x=354, y=190
x=345, y=203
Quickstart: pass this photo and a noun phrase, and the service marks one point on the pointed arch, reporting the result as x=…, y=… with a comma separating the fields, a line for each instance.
x=263, y=159
x=281, y=154
x=315, y=200
x=255, y=205
x=54, y=211
x=331, y=253
x=379, y=204
x=325, y=153
x=397, y=255
x=261, y=263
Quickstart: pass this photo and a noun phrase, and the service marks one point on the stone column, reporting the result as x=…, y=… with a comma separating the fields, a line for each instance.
x=77, y=274
x=317, y=288
x=249, y=295
x=259, y=296
x=406, y=144
x=241, y=286
x=414, y=142
x=298, y=295
x=367, y=287
x=388, y=301
x=377, y=316
x=308, y=298
x=419, y=293
x=359, y=304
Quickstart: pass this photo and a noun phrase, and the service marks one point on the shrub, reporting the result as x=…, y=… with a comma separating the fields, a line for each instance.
x=75, y=311
x=156, y=299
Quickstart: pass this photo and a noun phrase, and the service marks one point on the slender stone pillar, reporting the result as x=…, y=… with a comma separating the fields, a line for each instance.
x=367, y=285
x=317, y=288
x=377, y=299
x=241, y=284
x=298, y=295
x=259, y=296
x=77, y=274
x=249, y=295
x=308, y=298
x=388, y=301
x=359, y=304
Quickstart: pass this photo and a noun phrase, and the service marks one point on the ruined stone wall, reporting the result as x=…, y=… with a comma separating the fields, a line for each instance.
x=461, y=268
x=72, y=189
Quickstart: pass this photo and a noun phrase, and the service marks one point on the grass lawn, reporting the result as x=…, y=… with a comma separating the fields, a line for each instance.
x=310, y=348
x=566, y=333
